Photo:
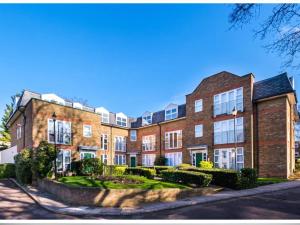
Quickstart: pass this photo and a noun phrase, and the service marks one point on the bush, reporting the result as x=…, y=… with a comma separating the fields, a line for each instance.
x=92, y=167
x=76, y=167
x=7, y=170
x=186, y=177
x=184, y=166
x=115, y=170
x=43, y=159
x=23, y=162
x=158, y=169
x=160, y=161
x=248, y=178
x=297, y=164
x=148, y=173
x=206, y=165
x=221, y=177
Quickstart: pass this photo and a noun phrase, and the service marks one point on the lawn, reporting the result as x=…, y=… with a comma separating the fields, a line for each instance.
x=144, y=183
x=272, y=180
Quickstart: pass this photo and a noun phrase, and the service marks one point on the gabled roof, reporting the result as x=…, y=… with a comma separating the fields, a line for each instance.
x=273, y=86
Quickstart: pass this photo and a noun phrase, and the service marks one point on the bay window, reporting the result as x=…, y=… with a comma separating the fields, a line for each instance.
x=63, y=132
x=173, y=139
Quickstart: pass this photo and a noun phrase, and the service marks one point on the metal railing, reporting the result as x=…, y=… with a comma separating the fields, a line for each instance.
x=227, y=107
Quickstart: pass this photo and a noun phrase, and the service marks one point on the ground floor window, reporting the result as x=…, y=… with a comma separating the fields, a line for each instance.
x=229, y=158
x=148, y=159
x=63, y=160
x=104, y=158
x=198, y=156
x=120, y=159
x=174, y=158
x=87, y=154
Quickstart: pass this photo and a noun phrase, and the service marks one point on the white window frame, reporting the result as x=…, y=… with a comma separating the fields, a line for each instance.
x=224, y=131
x=199, y=130
x=133, y=137
x=82, y=152
x=149, y=142
x=170, y=142
x=19, y=132
x=87, y=131
x=120, y=159
x=104, y=158
x=104, y=117
x=121, y=120
x=228, y=158
x=199, y=105
x=146, y=118
x=64, y=154
x=225, y=102
x=173, y=158
x=148, y=159
x=104, y=142
x=171, y=112
x=66, y=128
x=120, y=143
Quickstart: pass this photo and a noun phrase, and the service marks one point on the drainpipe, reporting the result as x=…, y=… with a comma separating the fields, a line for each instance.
x=257, y=137
x=22, y=110
x=159, y=139
x=111, y=149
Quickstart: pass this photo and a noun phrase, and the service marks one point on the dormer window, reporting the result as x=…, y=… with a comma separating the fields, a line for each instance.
x=121, y=119
x=53, y=98
x=171, y=112
x=146, y=118
x=104, y=114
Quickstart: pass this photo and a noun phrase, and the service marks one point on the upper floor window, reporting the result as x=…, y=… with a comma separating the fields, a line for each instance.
x=104, y=142
x=147, y=118
x=120, y=143
x=62, y=132
x=171, y=112
x=198, y=105
x=199, y=130
x=87, y=131
x=121, y=119
x=132, y=135
x=19, y=131
x=173, y=139
x=104, y=113
x=225, y=102
x=148, y=143
x=224, y=131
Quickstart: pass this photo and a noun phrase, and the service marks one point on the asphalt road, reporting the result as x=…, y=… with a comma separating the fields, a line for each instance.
x=14, y=204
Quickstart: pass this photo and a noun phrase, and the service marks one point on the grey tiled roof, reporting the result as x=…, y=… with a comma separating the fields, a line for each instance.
x=159, y=116
x=273, y=86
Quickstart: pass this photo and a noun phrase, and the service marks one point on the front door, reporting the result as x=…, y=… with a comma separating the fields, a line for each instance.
x=132, y=161
x=198, y=159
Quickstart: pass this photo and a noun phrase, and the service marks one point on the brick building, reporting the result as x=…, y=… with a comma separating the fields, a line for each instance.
x=228, y=119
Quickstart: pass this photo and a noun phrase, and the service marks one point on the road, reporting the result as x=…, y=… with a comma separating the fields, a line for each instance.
x=14, y=204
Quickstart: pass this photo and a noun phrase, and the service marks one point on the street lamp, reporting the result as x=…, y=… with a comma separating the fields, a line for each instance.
x=234, y=113
x=54, y=122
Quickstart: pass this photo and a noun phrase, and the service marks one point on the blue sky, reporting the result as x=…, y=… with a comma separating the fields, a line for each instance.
x=128, y=58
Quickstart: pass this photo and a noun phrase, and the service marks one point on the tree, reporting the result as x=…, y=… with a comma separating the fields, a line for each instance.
x=4, y=131
x=281, y=26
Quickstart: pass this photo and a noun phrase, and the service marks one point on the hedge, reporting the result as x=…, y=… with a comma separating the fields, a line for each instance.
x=221, y=177
x=145, y=172
x=248, y=178
x=186, y=177
x=158, y=169
x=7, y=170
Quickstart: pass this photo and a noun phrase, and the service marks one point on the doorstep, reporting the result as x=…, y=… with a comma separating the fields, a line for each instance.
x=48, y=202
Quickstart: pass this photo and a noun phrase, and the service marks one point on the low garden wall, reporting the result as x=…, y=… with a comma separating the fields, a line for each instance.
x=92, y=196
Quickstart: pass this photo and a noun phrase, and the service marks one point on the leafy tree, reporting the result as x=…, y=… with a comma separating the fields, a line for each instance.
x=281, y=26
x=4, y=132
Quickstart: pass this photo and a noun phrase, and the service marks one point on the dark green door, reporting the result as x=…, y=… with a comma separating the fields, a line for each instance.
x=198, y=159
x=132, y=161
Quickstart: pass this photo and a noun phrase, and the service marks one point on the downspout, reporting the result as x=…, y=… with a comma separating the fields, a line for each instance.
x=22, y=110
x=159, y=139
x=257, y=137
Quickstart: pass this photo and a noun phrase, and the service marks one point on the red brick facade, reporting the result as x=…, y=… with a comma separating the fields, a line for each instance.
x=268, y=128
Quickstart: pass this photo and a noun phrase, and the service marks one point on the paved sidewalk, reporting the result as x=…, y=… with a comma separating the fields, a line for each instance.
x=48, y=202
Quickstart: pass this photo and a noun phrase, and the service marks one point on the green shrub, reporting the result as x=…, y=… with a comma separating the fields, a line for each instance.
x=76, y=167
x=23, y=163
x=158, y=169
x=186, y=177
x=297, y=164
x=148, y=173
x=43, y=159
x=114, y=170
x=160, y=161
x=7, y=170
x=221, y=177
x=92, y=167
x=248, y=178
x=206, y=164
x=184, y=166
